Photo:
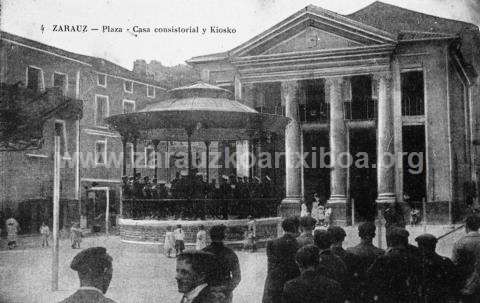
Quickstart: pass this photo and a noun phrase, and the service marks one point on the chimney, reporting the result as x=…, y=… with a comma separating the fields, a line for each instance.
x=140, y=67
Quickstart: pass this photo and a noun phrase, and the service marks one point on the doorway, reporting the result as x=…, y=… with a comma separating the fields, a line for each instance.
x=414, y=164
x=317, y=173
x=363, y=173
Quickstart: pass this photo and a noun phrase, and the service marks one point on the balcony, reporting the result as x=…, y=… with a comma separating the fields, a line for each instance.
x=364, y=109
x=319, y=114
x=413, y=106
x=275, y=110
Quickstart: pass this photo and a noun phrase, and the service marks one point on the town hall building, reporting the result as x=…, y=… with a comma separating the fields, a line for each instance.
x=381, y=81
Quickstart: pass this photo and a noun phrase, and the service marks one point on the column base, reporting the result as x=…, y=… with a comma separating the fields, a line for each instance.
x=290, y=206
x=386, y=198
x=338, y=204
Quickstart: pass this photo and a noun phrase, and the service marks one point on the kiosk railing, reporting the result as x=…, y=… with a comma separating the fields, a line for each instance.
x=164, y=209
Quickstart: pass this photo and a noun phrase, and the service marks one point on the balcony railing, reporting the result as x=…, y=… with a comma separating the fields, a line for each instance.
x=413, y=106
x=320, y=114
x=365, y=109
x=275, y=110
x=200, y=208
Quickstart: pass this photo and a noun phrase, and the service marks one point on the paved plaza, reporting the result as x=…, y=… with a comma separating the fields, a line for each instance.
x=141, y=272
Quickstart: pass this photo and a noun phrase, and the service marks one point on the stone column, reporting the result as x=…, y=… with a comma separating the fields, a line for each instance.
x=155, y=143
x=134, y=143
x=124, y=159
x=242, y=148
x=338, y=146
x=385, y=142
x=238, y=88
x=291, y=204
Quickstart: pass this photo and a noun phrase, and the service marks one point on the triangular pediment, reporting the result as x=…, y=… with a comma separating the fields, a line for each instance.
x=311, y=39
x=313, y=28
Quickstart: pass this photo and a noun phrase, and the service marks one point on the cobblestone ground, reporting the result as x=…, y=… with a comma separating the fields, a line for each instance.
x=141, y=272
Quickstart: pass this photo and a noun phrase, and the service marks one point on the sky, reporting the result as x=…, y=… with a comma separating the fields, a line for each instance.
x=248, y=17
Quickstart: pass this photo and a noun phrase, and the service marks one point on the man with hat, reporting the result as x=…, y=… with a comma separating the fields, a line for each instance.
x=195, y=277
x=366, y=253
x=229, y=274
x=395, y=276
x=312, y=285
x=94, y=267
x=281, y=265
x=332, y=265
x=337, y=236
x=466, y=256
x=439, y=281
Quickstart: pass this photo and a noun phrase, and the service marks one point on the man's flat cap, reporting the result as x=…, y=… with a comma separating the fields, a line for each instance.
x=91, y=259
x=366, y=229
x=426, y=239
x=307, y=221
x=337, y=233
x=398, y=232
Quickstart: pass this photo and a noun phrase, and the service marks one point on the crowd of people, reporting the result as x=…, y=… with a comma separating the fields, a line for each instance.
x=314, y=267
x=194, y=186
x=311, y=265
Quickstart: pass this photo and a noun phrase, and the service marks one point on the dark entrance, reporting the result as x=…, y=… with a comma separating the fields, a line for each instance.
x=414, y=164
x=317, y=174
x=363, y=173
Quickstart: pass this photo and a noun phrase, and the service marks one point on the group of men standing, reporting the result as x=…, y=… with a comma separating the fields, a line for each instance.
x=194, y=186
x=314, y=267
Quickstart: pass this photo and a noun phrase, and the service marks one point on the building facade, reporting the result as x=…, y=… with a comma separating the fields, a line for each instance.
x=91, y=153
x=391, y=85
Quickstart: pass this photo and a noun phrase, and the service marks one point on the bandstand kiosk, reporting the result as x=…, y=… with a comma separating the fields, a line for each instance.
x=196, y=113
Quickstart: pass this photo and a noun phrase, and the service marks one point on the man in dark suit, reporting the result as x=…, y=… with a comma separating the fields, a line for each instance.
x=195, y=275
x=466, y=256
x=229, y=274
x=338, y=234
x=281, y=261
x=331, y=265
x=395, y=276
x=94, y=267
x=366, y=253
x=307, y=224
x=311, y=286
x=440, y=280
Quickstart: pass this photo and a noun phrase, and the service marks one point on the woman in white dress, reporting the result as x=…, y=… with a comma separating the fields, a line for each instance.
x=318, y=210
x=169, y=244
x=12, y=231
x=201, y=242
x=304, y=211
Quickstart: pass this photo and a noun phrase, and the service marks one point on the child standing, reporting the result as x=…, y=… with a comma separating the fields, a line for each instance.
x=169, y=245
x=201, y=238
x=12, y=231
x=250, y=235
x=179, y=239
x=76, y=235
x=45, y=232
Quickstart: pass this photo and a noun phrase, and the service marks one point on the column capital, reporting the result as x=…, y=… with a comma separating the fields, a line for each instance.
x=289, y=85
x=338, y=80
x=387, y=76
